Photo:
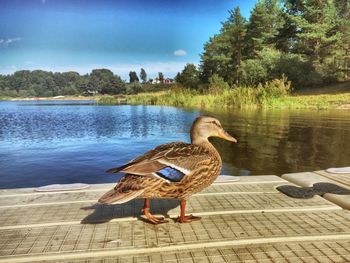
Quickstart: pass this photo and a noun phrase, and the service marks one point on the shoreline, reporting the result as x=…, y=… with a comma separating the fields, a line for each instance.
x=295, y=101
x=331, y=97
x=53, y=98
x=209, y=102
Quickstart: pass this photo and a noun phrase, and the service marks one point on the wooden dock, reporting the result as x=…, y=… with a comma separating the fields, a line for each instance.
x=243, y=221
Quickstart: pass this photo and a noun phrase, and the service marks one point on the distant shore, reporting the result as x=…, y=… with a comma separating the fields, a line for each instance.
x=336, y=96
x=55, y=98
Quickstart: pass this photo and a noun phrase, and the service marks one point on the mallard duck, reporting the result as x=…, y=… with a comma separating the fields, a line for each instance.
x=174, y=170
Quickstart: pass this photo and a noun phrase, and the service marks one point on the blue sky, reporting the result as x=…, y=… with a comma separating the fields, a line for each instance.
x=122, y=35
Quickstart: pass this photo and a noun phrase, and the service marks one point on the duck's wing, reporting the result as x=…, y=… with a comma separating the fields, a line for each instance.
x=169, y=162
x=147, y=155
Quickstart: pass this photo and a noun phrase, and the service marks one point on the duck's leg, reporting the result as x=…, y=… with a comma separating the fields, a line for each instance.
x=153, y=219
x=183, y=218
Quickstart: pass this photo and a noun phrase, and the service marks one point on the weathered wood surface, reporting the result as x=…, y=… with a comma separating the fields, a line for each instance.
x=248, y=221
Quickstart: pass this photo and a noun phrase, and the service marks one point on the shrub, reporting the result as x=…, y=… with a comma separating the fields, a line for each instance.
x=107, y=100
x=277, y=87
x=254, y=71
x=133, y=88
x=69, y=90
x=262, y=95
x=217, y=85
x=298, y=70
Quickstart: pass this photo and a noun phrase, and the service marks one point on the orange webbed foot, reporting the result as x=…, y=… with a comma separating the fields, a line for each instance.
x=187, y=219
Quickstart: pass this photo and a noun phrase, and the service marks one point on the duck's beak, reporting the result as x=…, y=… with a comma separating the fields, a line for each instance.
x=224, y=135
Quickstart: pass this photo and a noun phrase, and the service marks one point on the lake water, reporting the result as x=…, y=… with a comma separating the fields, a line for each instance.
x=45, y=142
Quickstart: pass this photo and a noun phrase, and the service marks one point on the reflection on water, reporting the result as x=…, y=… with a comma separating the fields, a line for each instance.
x=56, y=123
x=44, y=144
x=282, y=141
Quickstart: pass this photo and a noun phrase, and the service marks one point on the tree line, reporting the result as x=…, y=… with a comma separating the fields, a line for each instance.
x=305, y=41
x=308, y=41
x=26, y=83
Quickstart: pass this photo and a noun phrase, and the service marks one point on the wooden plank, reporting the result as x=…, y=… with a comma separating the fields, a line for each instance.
x=137, y=237
x=97, y=187
x=92, y=196
x=305, y=179
x=319, y=251
x=244, y=221
x=201, y=204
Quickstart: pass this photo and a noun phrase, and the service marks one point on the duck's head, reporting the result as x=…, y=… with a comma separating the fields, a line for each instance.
x=204, y=127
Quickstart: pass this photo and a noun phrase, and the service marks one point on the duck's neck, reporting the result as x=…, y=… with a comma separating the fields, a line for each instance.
x=204, y=142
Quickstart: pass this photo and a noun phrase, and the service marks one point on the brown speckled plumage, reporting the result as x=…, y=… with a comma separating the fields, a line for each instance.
x=199, y=162
x=205, y=164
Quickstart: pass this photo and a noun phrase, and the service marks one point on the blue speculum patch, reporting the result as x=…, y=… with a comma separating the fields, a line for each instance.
x=171, y=174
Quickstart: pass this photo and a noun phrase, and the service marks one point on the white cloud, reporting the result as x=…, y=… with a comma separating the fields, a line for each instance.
x=6, y=42
x=180, y=53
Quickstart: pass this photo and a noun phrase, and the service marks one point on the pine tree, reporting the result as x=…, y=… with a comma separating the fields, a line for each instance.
x=223, y=53
x=286, y=38
x=216, y=58
x=235, y=30
x=342, y=57
x=143, y=75
x=316, y=34
x=133, y=77
x=189, y=77
x=308, y=40
x=161, y=77
x=264, y=24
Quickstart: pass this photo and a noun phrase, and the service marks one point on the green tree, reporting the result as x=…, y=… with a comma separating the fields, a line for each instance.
x=235, y=30
x=43, y=83
x=189, y=77
x=217, y=85
x=66, y=83
x=133, y=88
x=20, y=80
x=133, y=77
x=143, y=75
x=83, y=83
x=316, y=34
x=103, y=81
x=223, y=53
x=215, y=58
x=264, y=25
x=161, y=77
x=342, y=54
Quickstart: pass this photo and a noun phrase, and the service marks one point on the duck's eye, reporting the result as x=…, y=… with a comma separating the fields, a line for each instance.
x=215, y=123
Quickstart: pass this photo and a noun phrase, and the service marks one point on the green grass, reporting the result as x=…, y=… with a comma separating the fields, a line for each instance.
x=275, y=94
x=320, y=101
x=107, y=100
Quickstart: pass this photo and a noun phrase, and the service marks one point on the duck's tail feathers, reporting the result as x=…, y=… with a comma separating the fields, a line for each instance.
x=114, y=197
x=118, y=169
